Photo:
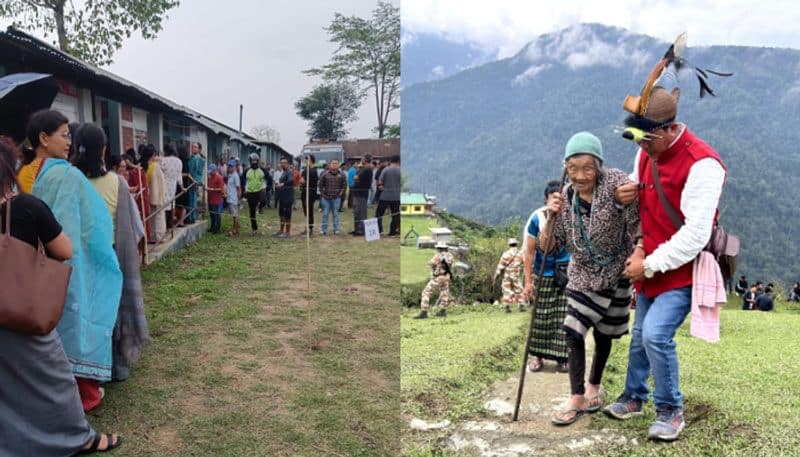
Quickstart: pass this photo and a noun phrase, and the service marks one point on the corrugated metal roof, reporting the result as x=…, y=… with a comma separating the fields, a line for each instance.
x=83, y=68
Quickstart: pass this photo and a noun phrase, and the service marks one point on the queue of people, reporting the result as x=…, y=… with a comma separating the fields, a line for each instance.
x=64, y=194
x=332, y=184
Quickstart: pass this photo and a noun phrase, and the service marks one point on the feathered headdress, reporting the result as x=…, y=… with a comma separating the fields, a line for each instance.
x=656, y=108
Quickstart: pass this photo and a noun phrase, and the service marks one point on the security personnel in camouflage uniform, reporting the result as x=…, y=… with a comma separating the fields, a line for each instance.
x=441, y=265
x=511, y=266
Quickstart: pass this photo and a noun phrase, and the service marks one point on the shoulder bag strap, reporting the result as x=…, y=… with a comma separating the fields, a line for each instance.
x=673, y=215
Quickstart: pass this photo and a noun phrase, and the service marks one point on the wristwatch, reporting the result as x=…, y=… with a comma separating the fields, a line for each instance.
x=648, y=272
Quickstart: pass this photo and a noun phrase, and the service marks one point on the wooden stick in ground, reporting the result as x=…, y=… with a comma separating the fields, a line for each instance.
x=535, y=303
x=308, y=240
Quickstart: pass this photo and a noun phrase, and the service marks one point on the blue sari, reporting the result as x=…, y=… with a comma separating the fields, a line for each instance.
x=93, y=296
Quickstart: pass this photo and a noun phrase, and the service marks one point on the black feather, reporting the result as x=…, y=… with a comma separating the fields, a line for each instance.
x=718, y=73
x=704, y=87
x=670, y=54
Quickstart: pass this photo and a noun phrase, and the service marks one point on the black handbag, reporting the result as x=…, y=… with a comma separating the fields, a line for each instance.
x=560, y=277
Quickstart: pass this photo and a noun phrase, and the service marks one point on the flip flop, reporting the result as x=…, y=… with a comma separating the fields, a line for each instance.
x=596, y=402
x=555, y=420
x=96, y=443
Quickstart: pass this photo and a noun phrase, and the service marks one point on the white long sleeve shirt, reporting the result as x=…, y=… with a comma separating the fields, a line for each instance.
x=699, y=201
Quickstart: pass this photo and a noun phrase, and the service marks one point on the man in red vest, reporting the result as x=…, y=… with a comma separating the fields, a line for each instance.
x=691, y=175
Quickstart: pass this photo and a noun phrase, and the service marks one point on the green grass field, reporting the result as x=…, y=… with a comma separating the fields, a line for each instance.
x=413, y=261
x=235, y=368
x=740, y=394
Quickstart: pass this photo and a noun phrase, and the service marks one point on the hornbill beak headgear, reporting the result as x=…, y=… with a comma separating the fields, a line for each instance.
x=656, y=107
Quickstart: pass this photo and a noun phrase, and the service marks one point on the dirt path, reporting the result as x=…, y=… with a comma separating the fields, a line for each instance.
x=533, y=435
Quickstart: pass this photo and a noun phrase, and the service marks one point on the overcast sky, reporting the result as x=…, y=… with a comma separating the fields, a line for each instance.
x=212, y=56
x=502, y=27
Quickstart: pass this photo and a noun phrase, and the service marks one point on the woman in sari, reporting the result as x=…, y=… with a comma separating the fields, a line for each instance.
x=599, y=236
x=137, y=184
x=156, y=183
x=95, y=285
x=130, y=332
x=42, y=413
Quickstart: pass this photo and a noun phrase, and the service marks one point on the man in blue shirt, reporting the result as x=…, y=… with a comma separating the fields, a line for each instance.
x=197, y=166
x=351, y=176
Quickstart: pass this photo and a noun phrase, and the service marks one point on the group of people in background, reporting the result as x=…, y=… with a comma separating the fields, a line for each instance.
x=332, y=184
x=164, y=188
x=757, y=296
x=86, y=209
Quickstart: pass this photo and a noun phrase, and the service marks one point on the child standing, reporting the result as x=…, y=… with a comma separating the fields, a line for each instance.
x=216, y=189
x=233, y=192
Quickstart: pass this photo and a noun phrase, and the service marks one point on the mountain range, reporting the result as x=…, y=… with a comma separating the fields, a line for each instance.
x=485, y=140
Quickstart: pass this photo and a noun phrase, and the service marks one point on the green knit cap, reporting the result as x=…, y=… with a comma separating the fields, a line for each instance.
x=583, y=143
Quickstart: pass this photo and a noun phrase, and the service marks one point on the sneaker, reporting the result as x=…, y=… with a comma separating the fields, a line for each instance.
x=562, y=367
x=624, y=408
x=323, y=233
x=283, y=235
x=522, y=308
x=441, y=313
x=336, y=232
x=421, y=315
x=668, y=425
x=507, y=309
x=277, y=234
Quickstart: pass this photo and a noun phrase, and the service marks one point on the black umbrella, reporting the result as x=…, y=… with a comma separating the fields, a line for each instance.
x=22, y=94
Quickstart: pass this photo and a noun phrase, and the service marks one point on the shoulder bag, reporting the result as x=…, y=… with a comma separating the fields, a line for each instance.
x=34, y=285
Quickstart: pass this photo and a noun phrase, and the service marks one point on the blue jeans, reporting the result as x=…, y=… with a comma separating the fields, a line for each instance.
x=330, y=205
x=653, y=347
x=215, y=213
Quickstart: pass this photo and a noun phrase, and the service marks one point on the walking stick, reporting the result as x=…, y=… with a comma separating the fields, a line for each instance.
x=534, y=304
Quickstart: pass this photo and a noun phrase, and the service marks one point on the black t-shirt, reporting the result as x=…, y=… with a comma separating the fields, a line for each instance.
x=31, y=220
x=361, y=188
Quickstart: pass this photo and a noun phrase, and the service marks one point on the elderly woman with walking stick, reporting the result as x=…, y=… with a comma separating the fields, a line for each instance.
x=599, y=235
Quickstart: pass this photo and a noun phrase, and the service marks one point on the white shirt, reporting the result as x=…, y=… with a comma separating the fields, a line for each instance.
x=699, y=201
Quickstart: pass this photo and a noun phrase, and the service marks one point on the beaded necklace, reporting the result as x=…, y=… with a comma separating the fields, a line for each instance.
x=596, y=255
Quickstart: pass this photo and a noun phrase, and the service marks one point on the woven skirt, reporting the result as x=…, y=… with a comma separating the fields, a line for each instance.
x=607, y=310
x=548, y=337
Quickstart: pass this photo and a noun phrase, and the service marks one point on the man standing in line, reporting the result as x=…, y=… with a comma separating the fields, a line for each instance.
x=276, y=176
x=285, y=195
x=690, y=174
x=267, y=169
x=363, y=181
x=308, y=191
x=197, y=166
x=351, y=177
x=254, y=184
x=389, y=188
x=331, y=185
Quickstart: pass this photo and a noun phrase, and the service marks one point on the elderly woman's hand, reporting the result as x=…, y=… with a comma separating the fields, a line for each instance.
x=555, y=202
x=626, y=193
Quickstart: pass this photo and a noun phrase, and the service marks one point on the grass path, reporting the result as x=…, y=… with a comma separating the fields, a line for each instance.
x=740, y=394
x=235, y=369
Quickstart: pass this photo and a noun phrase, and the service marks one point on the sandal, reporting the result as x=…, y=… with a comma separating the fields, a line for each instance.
x=595, y=402
x=535, y=365
x=557, y=418
x=96, y=443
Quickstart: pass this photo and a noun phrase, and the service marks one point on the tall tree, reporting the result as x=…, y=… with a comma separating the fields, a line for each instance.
x=265, y=133
x=94, y=30
x=328, y=108
x=368, y=57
